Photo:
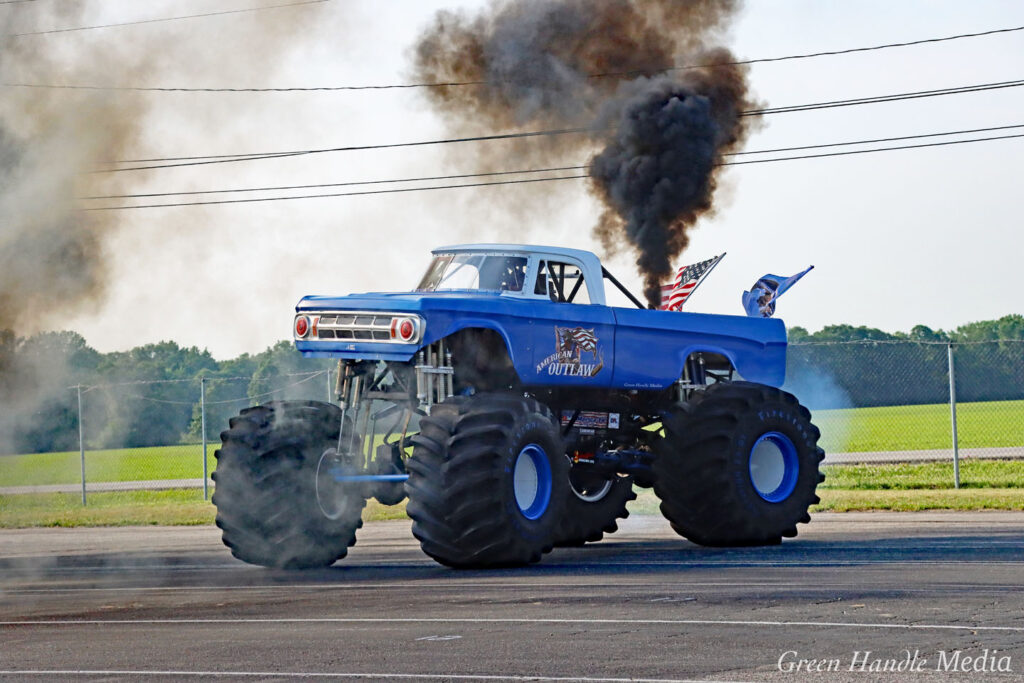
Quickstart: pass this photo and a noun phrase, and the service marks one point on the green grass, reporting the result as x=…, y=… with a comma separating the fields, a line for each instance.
x=918, y=500
x=986, y=485
x=126, y=464
x=974, y=474
x=907, y=428
x=913, y=487
x=176, y=507
x=121, y=508
x=981, y=425
x=187, y=508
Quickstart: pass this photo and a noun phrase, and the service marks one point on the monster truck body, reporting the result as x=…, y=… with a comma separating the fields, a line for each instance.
x=632, y=348
x=517, y=410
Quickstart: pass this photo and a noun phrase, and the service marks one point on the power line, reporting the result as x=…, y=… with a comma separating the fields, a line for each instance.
x=338, y=194
x=877, y=140
x=869, y=151
x=255, y=156
x=885, y=98
x=831, y=53
x=154, y=21
x=345, y=184
x=461, y=176
x=177, y=162
x=762, y=60
x=535, y=180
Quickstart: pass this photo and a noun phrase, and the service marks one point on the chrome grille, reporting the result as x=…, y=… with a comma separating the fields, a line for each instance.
x=359, y=326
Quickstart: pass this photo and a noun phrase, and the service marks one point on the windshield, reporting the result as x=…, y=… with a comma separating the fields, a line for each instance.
x=475, y=271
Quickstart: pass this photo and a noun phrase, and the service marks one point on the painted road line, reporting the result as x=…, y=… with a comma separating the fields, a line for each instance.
x=896, y=585
x=684, y=564
x=369, y=675
x=499, y=620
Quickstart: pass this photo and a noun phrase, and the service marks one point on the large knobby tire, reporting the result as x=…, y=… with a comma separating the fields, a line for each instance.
x=738, y=466
x=487, y=481
x=593, y=506
x=277, y=504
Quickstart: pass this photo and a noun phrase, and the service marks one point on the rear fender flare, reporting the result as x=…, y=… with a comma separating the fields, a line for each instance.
x=691, y=351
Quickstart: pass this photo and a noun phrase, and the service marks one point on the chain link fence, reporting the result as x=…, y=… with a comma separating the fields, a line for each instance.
x=899, y=401
x=149, y=434
x=874, y=401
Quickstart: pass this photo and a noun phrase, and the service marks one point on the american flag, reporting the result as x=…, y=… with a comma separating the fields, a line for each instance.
x=675, y=295
x=585, y=339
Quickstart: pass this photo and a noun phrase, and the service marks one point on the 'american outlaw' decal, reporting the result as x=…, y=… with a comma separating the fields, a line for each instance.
x=577, y=354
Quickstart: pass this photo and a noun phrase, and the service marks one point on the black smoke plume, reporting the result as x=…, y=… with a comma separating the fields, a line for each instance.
x=657, y=134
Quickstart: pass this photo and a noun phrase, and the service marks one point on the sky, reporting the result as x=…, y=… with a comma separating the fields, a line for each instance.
x=927, y=236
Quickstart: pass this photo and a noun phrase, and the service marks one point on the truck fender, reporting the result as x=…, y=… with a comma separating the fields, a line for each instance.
x=486, y=352
x=691, y=351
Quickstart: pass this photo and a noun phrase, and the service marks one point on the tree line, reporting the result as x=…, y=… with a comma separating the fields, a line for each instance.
x=149, y=395
x=843, y=366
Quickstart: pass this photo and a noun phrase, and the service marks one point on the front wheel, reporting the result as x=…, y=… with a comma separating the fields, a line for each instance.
x=278, y=501
x=487, y=481
x=738, y=465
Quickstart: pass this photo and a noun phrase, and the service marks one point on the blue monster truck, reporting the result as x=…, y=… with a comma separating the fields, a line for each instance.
x=517, y=410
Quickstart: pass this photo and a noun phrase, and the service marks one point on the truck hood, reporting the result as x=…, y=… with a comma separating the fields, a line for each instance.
x=407, y=302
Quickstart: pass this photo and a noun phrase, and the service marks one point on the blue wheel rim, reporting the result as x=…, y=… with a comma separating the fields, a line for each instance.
x=774, y=467
x=531, y=481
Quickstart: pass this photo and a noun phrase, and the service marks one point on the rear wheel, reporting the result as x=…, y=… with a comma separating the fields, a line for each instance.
x=278, y=502
x=738, y=465
x=486, y=481
x=594, y=504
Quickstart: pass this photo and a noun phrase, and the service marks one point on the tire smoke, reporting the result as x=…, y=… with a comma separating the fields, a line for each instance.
x=656, y=133
x=55, y=259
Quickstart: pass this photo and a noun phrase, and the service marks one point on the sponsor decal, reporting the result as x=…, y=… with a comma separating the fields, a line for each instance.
x=577, y=353
x=589, y=419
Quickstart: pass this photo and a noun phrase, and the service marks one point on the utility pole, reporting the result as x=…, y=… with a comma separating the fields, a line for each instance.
x=202, y=419
x=81, y=441
x=952, y=415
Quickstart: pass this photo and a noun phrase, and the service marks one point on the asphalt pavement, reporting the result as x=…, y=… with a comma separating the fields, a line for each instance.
x=855, y=593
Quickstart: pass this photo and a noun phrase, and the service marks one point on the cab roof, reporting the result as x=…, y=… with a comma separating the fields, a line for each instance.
x=586, y=260
x=578, y=254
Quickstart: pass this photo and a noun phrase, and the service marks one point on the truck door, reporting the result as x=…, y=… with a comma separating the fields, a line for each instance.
x=573, y=341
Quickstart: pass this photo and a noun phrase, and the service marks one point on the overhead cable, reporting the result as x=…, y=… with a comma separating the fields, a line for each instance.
x=535, y=180
x=177, y=162
x=761, y=60
x=337, y=194
x=155, y=21
x=460, y=176
x=255, y=156
x=885, y=98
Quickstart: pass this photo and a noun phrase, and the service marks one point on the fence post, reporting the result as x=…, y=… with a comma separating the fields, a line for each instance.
x=328, y=385
x=952, y=415
x=81, y=441
x=202, y=420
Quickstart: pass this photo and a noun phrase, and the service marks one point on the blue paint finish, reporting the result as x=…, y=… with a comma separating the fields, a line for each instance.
x=652, y=346
x=535, y=507
x=345, y=478
x=562, y=344
x=790, y=462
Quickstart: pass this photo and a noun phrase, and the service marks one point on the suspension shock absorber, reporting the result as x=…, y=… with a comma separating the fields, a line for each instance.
x=344, y=383
x=421, y=379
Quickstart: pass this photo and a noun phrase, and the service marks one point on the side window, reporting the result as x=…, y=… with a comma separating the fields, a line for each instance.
x=503, y=273
x=561, y=282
